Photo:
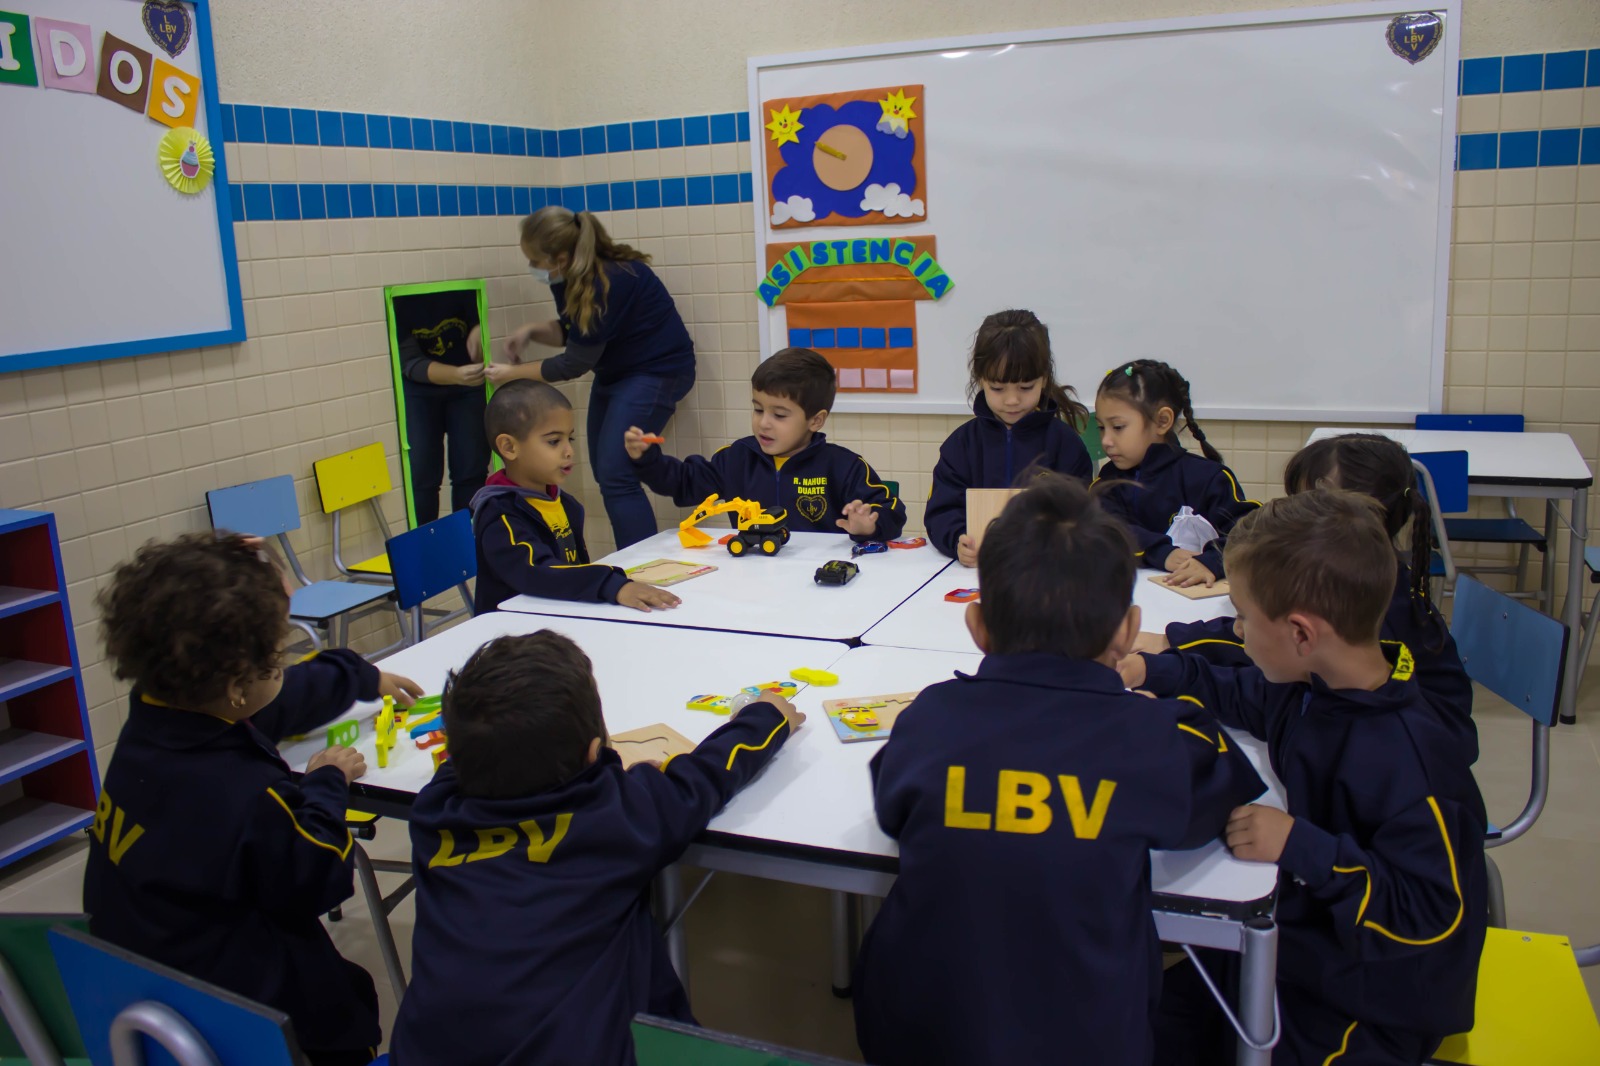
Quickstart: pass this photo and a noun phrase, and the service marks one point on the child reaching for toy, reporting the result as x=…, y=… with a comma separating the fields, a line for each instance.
x=1178, y=505
x=1023, y=419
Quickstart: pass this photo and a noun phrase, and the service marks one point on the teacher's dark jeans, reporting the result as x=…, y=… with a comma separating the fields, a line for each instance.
x=643, y=400
x=432, y=414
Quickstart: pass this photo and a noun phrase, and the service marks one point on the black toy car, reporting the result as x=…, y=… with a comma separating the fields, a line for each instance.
x=836, y=572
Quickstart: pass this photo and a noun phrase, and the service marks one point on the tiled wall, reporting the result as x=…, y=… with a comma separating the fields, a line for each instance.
x=124, y=450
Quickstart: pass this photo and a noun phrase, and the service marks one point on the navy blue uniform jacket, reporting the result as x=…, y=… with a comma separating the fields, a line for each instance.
x=813, y=485
x=1026, y=799
x=531, y=542
x=639, y=330
x=1383, y=893
x=1438, y=670
x=985, y=453
x=1170, y=478
x=534, y=941
x=207, y=856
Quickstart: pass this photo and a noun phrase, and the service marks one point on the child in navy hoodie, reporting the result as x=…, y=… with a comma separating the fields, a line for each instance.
x=529, y=532
x=787, y=464
x=534, y=855
x=1383, y=893
x=1026, y=799
x=1138, y=407
x=1374, y=466
x=1024, y=420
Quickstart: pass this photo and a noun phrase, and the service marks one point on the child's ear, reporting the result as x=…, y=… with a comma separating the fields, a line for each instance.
x=975, y=626
x=1305, y=632
x=1165, y=419
x=506, y=445
x=593, y=755
x=814, y=423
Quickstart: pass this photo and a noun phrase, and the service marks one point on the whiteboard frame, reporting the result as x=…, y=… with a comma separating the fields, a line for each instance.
x=235, y=331
x=1451, y=47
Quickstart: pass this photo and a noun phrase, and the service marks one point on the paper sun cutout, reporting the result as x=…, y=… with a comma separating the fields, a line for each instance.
x=186, y=159
x=786, y=126
x=897, y=113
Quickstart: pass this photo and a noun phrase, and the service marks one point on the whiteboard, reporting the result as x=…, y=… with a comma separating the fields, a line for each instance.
x=104, y=257
x=1262, y=200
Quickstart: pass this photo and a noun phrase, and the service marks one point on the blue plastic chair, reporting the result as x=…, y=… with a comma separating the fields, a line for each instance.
x=1520, y=655
x=267, y=508
x=1442, y=479
x=429, y=560
x=1510, y=530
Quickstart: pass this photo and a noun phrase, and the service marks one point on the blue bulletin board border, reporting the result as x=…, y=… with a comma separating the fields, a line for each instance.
x=230, y=259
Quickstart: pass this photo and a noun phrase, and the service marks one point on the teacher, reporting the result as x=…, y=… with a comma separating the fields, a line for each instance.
x=615, y=318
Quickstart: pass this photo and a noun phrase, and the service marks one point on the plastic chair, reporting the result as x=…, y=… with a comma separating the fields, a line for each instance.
x=1520, y=655
x=1591, y=559
x=1449, y=470
x=1512, y=529
x=429, y=560
x=1532, y=1006
x=39, y=1027
x=267, y=508
x=125, y=1005
x=348, y=480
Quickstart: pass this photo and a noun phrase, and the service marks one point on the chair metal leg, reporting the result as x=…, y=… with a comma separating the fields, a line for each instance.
x=418, y=633
x=380, y=921
x=1522, y=568
x=309, y=630
x=839, y=905
x=32, y=1037
x=161, y=1024
x=1497, y=894
x=669, y=896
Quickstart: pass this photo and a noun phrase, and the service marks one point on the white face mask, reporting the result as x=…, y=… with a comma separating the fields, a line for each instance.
x=543, y=277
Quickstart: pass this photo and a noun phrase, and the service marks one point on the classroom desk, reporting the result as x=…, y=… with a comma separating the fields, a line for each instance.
x=1543, y=466
x=775, y=595
x=927, y=620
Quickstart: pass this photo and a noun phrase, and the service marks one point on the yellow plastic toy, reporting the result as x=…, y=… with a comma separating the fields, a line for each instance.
x=860, y=719
x=711, y=702
x=807, y=676
x=758, y=531
x=385, y=729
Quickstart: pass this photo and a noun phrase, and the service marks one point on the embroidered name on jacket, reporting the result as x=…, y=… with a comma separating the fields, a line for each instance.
x=811, y=497
x=555, y=516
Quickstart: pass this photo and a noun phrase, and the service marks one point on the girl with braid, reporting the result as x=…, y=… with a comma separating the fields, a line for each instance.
x=1178, y=505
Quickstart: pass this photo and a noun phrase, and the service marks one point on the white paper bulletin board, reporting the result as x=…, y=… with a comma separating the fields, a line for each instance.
x=104, y=255
x=1262, y=200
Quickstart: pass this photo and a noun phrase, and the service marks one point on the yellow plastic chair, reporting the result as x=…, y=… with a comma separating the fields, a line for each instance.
x=1532, y=1007
x=348, y=480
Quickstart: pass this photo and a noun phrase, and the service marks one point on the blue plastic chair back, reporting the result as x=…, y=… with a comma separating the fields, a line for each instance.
x=102, y=980
x=433, y=558
x=1449, y=472
x=1475, y=423
x=1510, y=648
x=262, y=508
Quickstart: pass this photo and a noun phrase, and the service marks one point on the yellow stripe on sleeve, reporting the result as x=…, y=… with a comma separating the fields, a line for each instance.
x=515, y=543
x=349, y=841
x=737, y=748
x=1344, y=1045
x=1455, y=883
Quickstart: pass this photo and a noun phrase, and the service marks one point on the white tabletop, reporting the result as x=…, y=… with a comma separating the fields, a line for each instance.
x=646, y=675
x=758, y=594
x=1550, y=459
x=930, y=622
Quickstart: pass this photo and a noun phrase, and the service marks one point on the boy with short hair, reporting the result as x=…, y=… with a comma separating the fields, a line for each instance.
x=534, y=853
x=1382, y=902
x=1026, y=798
x=787, y=463
x=530, y=532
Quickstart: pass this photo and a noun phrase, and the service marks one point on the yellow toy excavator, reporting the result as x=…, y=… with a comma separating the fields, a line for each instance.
x=758, y=532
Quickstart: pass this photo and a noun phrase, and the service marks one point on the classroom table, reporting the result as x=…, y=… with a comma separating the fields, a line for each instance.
x=808, y=817
x=1542, y=466
x=927, y=620
x=758, y=594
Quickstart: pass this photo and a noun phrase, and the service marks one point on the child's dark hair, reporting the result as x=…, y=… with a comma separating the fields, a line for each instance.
x=1057, y=572
x=184, y=618
x=799, y=375
x=1014, y=346
x=520, y=715
x=1150, y=385
x=517, y=408
x=1324, y=551
x=1378, y=467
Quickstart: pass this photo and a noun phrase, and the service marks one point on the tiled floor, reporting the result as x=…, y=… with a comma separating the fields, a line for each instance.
x=759, y=950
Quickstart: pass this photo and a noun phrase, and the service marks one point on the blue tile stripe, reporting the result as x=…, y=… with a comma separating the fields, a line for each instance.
x=260, y=201
x=256, y=124
x=1528, y=148
x=1529, y=73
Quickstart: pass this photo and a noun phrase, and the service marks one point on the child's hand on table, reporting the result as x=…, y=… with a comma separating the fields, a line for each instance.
x=967, y=550
x=634, y=441
x=348, y=760
x=643, y=597
x=790, y=713
x=1132, y=670
x=1154, y=643
x=1258, y=834
x=859, y=520
x=1189, y=572
x=402, y=690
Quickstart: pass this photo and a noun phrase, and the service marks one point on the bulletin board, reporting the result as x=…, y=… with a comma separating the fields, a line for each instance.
x=1262, y=200
x=119, y=235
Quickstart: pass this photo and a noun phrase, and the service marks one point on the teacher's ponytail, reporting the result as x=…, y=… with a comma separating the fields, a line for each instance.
x=553, y=231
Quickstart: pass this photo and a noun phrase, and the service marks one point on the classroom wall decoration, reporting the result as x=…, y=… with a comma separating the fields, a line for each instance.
x=115, y=188
x=846, y=158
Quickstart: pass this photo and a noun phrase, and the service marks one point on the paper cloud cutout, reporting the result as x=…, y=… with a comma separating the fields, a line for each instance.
x=887, y=125
x=798, y=208
x=891, y=201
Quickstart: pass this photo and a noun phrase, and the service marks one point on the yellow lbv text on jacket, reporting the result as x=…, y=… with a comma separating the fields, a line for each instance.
x=495, y=841
x=1022, y=803
x=111, y=828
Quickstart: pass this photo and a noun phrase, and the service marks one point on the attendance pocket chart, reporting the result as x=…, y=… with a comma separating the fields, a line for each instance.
x=866, y=717
x=664, y=572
